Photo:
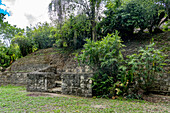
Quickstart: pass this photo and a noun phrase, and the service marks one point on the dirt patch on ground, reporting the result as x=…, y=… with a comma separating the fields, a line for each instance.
x=37, y=95
x=42, y=94
x=99, y=106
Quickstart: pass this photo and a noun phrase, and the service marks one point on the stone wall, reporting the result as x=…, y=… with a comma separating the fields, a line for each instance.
x=13, y=78
x=78, y=84
x=75, y=79
x=162, y=85
x=40, y=81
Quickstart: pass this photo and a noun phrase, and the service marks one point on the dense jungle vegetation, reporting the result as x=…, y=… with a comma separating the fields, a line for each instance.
x=98, y=28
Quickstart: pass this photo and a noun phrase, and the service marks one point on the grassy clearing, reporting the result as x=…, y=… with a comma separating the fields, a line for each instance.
x=15, y=99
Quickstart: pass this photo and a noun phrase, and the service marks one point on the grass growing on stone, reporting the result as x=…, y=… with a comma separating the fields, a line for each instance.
x=16, y=99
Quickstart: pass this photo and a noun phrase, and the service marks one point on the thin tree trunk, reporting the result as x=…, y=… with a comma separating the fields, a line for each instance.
x=93, y=20
x=60, y=13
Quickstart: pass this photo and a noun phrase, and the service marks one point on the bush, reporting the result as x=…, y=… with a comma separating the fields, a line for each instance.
x=145, y=67
x=135, y=14
x=106, y=59
x=113, y=74
x=25, y=44
x=74, y=32
x=42, y=35
x=8, y=55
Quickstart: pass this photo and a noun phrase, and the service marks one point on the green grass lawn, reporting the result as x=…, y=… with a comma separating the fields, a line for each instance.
x=16, y=99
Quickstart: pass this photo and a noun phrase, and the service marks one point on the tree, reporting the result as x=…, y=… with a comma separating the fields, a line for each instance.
x=8, y=54
x=25, y=44
x=8, y=32
x=134, y=14
x=73, y=32
x=3, y=13
x=87, y=7
x=42, y=35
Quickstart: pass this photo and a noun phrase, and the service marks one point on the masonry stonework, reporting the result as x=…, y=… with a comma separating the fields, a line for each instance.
x=75, y=80
x=13, y=78
x=40, y=81
x=79, y=84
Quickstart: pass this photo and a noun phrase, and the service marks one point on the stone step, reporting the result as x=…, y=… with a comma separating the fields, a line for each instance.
x=55, y=90
x=58, y=82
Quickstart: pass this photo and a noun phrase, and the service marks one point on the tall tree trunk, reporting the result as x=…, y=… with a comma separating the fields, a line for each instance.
x=93, y=11
x=60, y=18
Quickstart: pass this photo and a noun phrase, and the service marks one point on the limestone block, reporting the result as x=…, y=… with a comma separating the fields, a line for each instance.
x=89, y=86
x=40, y=81
x=169, y=89
x=80, y=84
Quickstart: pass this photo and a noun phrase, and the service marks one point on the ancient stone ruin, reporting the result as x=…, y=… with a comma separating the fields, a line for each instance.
x=60, y=76
x=70, y=81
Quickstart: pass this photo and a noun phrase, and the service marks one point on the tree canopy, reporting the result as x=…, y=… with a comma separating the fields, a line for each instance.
x=74, y=21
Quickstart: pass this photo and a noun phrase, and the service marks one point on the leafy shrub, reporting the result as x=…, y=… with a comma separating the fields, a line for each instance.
x=42, y=35
x=73, y=32
x=8, y=55
x=146, y=66
x=166, y=26
x=25, y=44
x=106, y=59
x=113, y=74
x=4, y=58
x=135, y=14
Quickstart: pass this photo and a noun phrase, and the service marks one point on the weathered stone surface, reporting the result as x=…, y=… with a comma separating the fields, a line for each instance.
x=79, y=84
x=162, y=85
x=13, y=78
x=52, y=68
x=40, y=81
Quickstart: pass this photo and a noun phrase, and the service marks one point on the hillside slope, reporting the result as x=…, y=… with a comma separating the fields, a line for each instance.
x=162, y=42
x=61, y=58
x=41, y=59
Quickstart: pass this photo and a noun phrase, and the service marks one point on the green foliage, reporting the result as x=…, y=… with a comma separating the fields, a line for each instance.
x=8, y=55
x=166, y=26
x=114, y=75
x=8, y=31
x=25, y=44
x=135, y=14
x=103, y=55
x=164, y=4
x=73, y=32
x=42, y=35
x=146, y=66
x=106, y=59
x=4, y=58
